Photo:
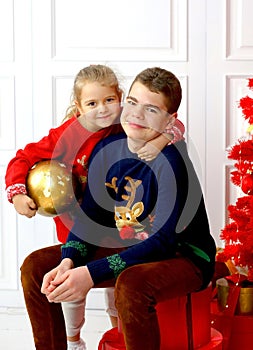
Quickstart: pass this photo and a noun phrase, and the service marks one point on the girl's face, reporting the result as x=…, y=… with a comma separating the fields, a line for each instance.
x=99, y=106
x=144, y=115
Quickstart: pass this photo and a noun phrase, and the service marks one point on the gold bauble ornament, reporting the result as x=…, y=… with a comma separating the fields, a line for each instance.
x=52, y=187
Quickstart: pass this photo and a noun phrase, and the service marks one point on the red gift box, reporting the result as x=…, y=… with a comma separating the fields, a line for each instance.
x=237, y=329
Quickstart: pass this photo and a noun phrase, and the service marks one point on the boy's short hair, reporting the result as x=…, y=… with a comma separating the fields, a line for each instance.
x=160, y=80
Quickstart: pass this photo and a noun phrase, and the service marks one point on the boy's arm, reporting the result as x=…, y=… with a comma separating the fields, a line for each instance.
x=78, y=250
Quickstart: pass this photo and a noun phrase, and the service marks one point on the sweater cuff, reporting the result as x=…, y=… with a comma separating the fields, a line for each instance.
x=106, y=268
x=99, y=270
x=76, y=251
x=15, y=189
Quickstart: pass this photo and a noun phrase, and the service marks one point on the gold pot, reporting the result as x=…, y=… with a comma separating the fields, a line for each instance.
x=244, y=304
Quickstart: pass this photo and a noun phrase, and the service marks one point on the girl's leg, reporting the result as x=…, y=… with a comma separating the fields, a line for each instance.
x=74, y=320
x=139, y=288
x=111, y=308
x=46, y=318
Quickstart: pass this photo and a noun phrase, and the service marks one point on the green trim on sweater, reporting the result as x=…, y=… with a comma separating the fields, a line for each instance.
x=116, y=264
x=197, y=251
x=81, y=247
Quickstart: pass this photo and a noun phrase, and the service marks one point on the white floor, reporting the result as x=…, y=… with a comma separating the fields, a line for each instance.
x=15, y=331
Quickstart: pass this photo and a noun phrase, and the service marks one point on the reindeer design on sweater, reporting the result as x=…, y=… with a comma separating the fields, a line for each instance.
x=126, y=216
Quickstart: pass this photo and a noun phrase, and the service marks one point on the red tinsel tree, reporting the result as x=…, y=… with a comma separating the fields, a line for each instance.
x=238, y=233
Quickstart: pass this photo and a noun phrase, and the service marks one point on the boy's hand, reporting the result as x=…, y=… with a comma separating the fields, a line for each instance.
x=54, y=277
x=24, y=205
x=74, y=285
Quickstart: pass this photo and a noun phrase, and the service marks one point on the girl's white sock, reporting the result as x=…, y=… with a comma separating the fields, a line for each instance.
x=77, y=345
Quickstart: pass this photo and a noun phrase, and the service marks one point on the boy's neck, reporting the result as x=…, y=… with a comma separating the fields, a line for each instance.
x=135, y=145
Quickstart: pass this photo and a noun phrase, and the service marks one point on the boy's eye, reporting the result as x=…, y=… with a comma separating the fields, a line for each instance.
x=131, y=102
x=151, y=109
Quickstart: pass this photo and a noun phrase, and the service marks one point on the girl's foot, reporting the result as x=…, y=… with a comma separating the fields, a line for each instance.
x=77, y=345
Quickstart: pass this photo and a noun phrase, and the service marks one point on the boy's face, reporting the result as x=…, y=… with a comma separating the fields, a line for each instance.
x=99, y=106
x=144, y=114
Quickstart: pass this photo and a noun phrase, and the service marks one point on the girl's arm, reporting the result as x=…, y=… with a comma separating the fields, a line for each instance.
x=18, y=167
x=24, y=159
x=153, y=147
x=171, y=135
x=17, y=171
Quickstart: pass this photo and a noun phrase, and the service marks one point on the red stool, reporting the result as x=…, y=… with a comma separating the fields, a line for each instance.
x=185, y=324
x=185, y=321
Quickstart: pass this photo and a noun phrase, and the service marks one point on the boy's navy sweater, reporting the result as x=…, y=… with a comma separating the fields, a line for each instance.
x=174, y=212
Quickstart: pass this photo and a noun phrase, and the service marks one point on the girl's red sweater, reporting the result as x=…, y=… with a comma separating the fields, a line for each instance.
x=69, y=143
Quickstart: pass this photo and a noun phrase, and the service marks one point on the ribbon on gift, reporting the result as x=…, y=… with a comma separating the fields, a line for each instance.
x=235, y=283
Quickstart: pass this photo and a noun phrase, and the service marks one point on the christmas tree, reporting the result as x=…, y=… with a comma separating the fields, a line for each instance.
x=238, y=233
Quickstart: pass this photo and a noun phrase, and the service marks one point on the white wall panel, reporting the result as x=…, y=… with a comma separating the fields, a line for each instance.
x=8, y=243
x=142, y=30
x=239, y=30
x=236, y=125
x=7, y=113
x=62, y=89
x=7, y=32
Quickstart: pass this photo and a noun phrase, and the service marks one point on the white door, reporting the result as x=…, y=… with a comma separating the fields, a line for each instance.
x=229, y=64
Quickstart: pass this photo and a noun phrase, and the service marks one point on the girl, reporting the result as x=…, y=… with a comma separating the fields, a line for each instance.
x=92, y=115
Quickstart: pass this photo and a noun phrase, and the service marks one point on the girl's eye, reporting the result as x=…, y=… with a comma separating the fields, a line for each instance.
x=91, y=104
x=111, y=99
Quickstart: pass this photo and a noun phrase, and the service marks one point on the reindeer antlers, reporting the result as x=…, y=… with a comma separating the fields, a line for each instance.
x=131, y=189
x=113, y=184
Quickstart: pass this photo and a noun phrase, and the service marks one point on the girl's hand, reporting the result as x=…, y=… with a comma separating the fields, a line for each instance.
x=74, y=285
x=148, y=152
x=53, y=278
x=152, y=148
x=24, y=205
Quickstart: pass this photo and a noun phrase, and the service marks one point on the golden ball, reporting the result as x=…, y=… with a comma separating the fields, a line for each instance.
x=52, y=187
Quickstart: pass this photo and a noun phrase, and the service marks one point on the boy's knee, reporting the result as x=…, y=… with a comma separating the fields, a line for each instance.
x=132, y=295
x=129, y=278
x=28, y=263
x=128, y=283
x=27, y=270
x=32, y=269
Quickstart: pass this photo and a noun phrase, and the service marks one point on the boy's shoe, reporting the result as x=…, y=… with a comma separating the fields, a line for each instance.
x=77, y=345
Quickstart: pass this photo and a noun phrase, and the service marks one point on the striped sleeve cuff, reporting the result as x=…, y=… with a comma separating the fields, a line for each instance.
x=15, y=189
